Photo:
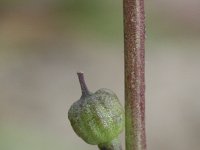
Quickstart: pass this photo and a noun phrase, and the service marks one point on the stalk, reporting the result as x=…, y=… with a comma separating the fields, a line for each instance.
x=113, y=145
x=83, y=85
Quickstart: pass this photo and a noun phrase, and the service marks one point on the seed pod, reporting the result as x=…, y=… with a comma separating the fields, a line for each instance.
x=98, y=118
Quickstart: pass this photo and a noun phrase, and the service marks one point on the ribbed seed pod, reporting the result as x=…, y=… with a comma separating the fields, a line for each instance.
x=98, y=118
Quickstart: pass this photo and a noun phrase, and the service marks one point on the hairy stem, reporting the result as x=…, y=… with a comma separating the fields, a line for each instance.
x=134, y=41
x=113, y=145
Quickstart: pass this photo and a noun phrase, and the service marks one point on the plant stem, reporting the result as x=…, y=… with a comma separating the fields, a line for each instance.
x=134, y=41
x=113, y=145
x=83, y=85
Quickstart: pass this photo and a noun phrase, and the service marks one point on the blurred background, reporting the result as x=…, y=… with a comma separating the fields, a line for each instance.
x=43, y=43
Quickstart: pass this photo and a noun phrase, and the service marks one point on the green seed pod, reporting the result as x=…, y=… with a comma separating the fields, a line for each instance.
x=98, y=118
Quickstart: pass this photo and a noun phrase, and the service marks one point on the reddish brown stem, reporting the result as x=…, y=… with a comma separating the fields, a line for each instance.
x=134, y=39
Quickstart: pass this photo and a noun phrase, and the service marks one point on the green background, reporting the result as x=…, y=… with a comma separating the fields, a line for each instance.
x=43, y=43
